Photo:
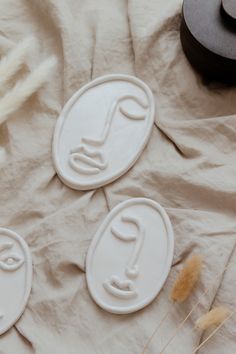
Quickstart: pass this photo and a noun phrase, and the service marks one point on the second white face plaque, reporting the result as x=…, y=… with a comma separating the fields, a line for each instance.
x=102, y=131
x=130, y=256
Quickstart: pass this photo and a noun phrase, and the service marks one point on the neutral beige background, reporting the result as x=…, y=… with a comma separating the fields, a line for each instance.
x=189, y=166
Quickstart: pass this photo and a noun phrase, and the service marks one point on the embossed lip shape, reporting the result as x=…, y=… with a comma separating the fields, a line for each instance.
x=15, y=278
x=130, y=256
x=102, y=130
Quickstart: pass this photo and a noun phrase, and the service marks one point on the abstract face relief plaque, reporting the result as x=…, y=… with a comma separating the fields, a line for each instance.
x=102, y=131
x=130, y=256
x=15, y=278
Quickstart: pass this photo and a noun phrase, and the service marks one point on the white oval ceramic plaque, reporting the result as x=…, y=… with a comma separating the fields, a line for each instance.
x=102, y=131
x=15, y=278
x=130, y=256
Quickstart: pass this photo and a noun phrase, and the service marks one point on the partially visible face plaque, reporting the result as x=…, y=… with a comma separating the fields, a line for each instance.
x=15, y=277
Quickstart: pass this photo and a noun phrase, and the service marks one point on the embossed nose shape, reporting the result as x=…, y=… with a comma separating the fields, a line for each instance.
x=88, y=158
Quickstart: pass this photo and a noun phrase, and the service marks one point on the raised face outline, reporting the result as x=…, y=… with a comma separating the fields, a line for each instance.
x=81, y=162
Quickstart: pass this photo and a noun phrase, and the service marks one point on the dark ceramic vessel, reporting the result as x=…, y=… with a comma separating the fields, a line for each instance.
x=208, y=36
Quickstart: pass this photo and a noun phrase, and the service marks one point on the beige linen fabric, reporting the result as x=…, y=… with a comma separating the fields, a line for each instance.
x=189, y=166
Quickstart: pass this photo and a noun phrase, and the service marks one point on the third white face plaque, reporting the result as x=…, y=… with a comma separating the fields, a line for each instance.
x=15, y=277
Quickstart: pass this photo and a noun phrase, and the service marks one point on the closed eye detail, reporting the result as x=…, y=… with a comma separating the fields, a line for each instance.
x=11, y=262
x=134, y=115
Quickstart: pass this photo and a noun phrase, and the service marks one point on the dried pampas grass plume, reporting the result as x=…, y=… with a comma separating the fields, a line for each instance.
x=220, y=324
x=183, y=287
x=220, y=275
x=25, y=88
x=14, y=60
x=22, y=90
x=187, y=279
x=212, y=318
x=181, y=290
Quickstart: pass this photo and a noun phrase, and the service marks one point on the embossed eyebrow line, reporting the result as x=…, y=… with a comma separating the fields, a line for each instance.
x=110, y=117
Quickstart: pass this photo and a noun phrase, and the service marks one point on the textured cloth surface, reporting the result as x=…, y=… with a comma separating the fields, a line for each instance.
x=188, y=166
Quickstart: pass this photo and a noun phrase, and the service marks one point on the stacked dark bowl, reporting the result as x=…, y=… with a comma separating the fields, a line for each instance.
x=208, y=36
